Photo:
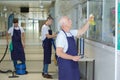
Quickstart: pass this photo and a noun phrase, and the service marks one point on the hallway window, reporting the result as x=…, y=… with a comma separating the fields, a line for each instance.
x=104, y=28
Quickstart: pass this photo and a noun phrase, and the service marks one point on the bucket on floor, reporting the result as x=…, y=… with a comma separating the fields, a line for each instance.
x=21, y=69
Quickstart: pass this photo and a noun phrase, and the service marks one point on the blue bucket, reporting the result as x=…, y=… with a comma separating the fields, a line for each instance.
x=20, y=69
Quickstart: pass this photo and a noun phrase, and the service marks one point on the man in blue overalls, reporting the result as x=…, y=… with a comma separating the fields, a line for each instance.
x=66, y=50
x=18, y=43
x=46, y=36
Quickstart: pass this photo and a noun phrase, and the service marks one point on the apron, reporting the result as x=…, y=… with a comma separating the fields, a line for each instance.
x=18, y=52
x=47, y=46
x=69, y=69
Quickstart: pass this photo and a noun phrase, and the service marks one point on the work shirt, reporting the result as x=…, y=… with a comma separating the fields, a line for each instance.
x=10, y=31
x=61, y=40
x=44, y=31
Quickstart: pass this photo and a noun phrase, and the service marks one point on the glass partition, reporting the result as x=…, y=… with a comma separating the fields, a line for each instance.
x=103, y=30
x=95, y=31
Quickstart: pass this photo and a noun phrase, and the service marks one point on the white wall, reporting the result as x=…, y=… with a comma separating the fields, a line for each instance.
x=104, y=59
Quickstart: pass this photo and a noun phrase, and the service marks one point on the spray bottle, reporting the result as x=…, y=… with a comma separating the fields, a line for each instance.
x=92, y=21
x=82, y=47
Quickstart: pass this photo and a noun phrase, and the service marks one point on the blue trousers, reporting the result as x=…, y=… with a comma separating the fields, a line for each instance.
x=45, y=68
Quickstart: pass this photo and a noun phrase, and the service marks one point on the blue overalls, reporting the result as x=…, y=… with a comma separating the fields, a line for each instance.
x=69, y=69
x=47, y=46
x=18, y=52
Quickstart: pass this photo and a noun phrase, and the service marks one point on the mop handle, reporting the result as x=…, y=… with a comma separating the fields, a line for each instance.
x=53, y=44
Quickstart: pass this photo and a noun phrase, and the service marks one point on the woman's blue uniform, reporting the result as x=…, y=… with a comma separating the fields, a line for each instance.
x=18, y=52
x=69, y=69
x=47, y=45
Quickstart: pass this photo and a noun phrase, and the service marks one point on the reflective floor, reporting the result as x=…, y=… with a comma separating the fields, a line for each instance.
x=34, y=57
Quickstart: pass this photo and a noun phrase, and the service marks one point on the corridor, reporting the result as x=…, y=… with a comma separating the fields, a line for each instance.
x=99, y=46
x=34, y=57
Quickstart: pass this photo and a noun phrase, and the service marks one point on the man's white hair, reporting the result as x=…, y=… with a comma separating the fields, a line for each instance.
x=62, y=21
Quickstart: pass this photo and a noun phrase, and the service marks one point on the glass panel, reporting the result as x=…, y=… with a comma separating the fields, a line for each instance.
x=95, y=31
x=104, y=28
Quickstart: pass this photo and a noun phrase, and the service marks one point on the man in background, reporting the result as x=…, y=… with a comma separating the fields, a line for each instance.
x=18, y=43
x=46, y=36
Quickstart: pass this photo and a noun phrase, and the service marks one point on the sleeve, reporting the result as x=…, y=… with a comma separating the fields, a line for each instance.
x=74, y=32
x=44, y=30
x=10, y=30
x=22, y=30
x=60, y=40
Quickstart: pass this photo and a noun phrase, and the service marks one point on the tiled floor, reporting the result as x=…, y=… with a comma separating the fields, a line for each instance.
x=30, y=76
x=34, y=56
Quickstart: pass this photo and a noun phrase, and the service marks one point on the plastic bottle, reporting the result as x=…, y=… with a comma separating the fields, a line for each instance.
x=92, y=21
x=82, y=47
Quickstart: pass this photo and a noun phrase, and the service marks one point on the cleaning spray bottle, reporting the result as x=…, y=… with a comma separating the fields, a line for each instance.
x=82, y=47
x=92, y=21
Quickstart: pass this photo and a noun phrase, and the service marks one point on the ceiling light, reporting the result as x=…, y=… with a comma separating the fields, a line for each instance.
x=5, y=8
x=41, y=5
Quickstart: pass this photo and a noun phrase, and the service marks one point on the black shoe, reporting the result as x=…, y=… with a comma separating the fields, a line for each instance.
x=26, y=72
x=43, y=74
x=47, y=76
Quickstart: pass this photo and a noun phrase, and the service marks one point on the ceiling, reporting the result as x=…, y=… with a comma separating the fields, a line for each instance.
x=34, y=6
x=35, y=12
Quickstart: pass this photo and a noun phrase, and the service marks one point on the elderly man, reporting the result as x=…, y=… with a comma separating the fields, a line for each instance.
x=67, y=50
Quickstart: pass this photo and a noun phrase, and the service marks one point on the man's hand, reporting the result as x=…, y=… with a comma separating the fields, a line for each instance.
x=7, y=42
x=54, y=35
x=23, y=45
x=76, y=58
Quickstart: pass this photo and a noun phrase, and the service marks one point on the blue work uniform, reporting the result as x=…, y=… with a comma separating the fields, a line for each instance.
x=47, y=46
x=69, y=69
x=18, y=52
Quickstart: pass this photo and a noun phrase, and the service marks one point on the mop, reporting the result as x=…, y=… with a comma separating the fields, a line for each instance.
x=54, y=46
